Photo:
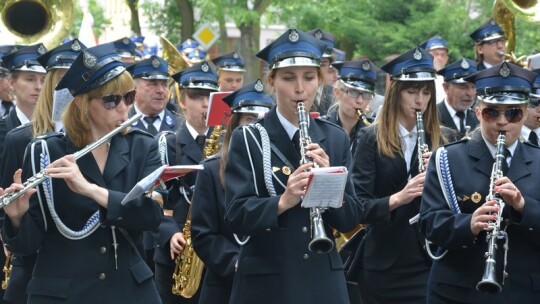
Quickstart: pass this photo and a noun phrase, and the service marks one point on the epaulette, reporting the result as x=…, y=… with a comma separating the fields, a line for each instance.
x=48, y=135
x=321, y=119
x=137, y=130
x=210, y=158
x=528, y=143
x=22, y=126
x=461, y=141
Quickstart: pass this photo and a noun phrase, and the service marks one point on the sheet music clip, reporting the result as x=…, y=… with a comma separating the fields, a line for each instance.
x=158, y=177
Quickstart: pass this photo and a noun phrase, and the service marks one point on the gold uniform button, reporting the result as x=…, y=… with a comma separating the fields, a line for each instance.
x=102, y=276
x=305, y=256
x=102, y=250
x=304, y=230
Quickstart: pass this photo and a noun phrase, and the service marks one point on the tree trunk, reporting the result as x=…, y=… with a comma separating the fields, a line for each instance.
x=134, y=9
x=188, y=19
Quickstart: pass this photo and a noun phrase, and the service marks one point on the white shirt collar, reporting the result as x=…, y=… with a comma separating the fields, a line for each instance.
x=22, y=118
x=193, y=132
x=493, y=149
x=160, y=114
x=287, y=125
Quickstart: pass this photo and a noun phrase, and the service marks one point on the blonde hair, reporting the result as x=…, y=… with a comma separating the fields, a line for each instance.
x=41, y=121
x=75, y=117
x=387, y=132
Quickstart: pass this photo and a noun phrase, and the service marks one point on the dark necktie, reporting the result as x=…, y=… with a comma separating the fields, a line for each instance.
x=6, y=106
x=533, y=138
x=150, y=121
x=296, y=141
x=200, y=140
x=507, y=154
x=461, y=116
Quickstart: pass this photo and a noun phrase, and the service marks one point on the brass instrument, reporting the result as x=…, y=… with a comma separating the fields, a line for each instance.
x=176, y=62
x=360, y=115
x=188, y=266
x=32, y=21
x=421, y=141
x=489, y=282
x=41, y=176
x=505, y=12
x=320, y=243
x=7, y=271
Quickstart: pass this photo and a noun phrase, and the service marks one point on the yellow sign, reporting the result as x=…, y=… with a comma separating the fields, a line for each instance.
x=205, y=36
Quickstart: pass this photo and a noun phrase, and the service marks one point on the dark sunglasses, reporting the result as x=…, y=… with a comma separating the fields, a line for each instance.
x=512, y=115
x=111, y=101
x=534, y=102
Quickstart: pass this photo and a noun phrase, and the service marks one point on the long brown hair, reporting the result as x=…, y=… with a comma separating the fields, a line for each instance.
x=234, y=122
x=75, y=117
x=388, y=141
x=41, y=121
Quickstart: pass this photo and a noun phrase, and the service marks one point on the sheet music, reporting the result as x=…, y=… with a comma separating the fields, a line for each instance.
x=326, y=187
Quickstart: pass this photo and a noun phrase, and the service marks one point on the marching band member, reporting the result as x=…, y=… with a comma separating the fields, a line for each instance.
x=213, y=240
x=185, y=147
x=151, y=76
x=490, y=44
x=126, y=49
x=438, y=48
x=275, y=265
x=26, y=78
x=6, y=102
x=393, y=265
x=531, y=124
x=456, y=217
x=353, y=91
x=87, y=240
x=56, y=62
x=326, y=98
x=456, y=112
x=230, y=70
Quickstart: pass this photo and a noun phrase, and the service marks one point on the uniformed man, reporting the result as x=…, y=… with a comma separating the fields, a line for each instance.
x=151, y=76
x=438, y=48
x=6, y=98
x=490, y=44
x=230, y=70
x=531, y=126
x=456, y=112
x=326, y=97
x=126, y=49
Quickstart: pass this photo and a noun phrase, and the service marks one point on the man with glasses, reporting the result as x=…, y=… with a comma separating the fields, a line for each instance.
x=457, y=214
x=490, y=45
x=455, y=111
x=531, y=127
x=6, y=98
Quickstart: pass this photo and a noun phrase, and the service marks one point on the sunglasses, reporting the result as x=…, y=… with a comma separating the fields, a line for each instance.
x=512, y=115
x=355, y=94
x=111, y=101
x=534, y=102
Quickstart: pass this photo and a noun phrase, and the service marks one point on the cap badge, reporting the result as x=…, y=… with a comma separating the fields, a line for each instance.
x=464, y=64
x=417, y=54
x=155, y=63
x=504, y=71
x=492, y=22
x=76, y=46
x=41, y=49
x=204, y=67
x=318, y=35
x=235, y=55
x=258, y=86
x=366, y=66
x=293, y=36
x=126, y=41
x=168, y=120
x=89, y=60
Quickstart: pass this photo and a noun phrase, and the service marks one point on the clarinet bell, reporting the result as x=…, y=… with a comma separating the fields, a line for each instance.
x=320, y=243
x=489, y=283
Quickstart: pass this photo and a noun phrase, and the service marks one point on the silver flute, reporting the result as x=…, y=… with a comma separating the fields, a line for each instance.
x=41, y=176
x=421, y=142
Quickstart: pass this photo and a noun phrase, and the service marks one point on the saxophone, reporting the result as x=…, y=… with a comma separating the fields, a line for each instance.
x=188, y=266
x=489, y=282
x=7, y=271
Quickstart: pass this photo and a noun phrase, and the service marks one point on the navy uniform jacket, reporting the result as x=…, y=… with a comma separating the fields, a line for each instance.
x=171, y=121
x=212, y=239
x=12, y=159
x=447, y=121
x=333, y=117
x=376, y=177
x=83, y=271
x=276, y=266
x=462, y=268
x=190, y=155
x=7, y=123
